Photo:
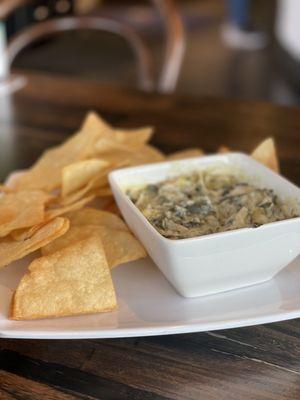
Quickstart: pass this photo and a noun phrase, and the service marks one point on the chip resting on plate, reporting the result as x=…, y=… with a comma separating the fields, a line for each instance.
x=266, y=154
x=94, y=137
x=92, y=216
x=96, y=184
x=5, y=188
x=26, y=233
x=119, y=246
x=76, y=196
x=79, y=174
x=146, y=154
x=46, y=173
x=123, y=139
x=21, y=209
x=72, y=281
x=59, y=210
x=12, y=250
x=62, y=209
x=134, y=137
x=113, y=208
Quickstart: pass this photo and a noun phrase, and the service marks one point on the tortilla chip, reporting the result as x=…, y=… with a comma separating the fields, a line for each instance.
x=102, y=192
x=60, y=210
x=46, y=172
x=77, y=196
x=5, y=189
x=119, y=246
x=96, y=187
x=147, y=154
x=79, y=174
x=102, y=203
x=73, y=281
x=110, y=138
x=118, y=139
x=113, y=208
x=266, y=154
x=26, y=233
x=92, y=129
x=134, y=137
x=144, y=155
x=186, y=153
x=92, y=216
x=116, y=155
x=21, y=210
x=109, y=144
x=87, y=192
x=150, y=154
x=11, y=250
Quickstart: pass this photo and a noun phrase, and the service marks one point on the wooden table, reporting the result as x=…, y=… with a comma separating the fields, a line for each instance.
x=256, y=363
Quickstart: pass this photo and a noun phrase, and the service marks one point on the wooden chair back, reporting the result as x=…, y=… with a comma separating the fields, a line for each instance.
x=174, y=40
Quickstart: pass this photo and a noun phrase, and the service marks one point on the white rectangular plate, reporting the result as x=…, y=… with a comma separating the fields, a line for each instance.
x=148, y=305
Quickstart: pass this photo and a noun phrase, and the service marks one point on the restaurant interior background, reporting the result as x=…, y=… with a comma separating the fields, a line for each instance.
x=210, y=66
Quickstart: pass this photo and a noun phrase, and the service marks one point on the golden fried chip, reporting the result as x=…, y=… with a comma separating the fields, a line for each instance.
x=149, y=154
x=77, y=196
x=79, y=174
x=127, y=156
x=11, y=250
x=113, y=208
x=119, y=246
x=266, y=154
x=73, y=281
x=46, y=172
x=26, y=233
x=60, y=210
x=92, y=216
x=109, y=144
x=102, y=192
x=102, y=203
x=115, y=155
x=118, y=139
x=146, y=155
x=5, y=189
x=87, y=191
x=186, y=153
x=21, y=210
x=98, y=182
x=97, y=186
x=108, y=137
x=134, y=137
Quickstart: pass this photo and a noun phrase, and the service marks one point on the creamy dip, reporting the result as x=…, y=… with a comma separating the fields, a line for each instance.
x=208, y=201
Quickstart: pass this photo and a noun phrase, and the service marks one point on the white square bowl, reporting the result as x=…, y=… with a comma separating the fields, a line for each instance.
x=217, y=262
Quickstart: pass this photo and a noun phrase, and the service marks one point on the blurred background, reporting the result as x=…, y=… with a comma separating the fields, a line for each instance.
x=225, y=48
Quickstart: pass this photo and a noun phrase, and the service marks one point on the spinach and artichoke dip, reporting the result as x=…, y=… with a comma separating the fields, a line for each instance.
x=207, y=201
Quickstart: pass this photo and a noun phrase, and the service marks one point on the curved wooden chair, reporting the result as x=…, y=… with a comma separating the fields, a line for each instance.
x=53, y=27
x=174, y=44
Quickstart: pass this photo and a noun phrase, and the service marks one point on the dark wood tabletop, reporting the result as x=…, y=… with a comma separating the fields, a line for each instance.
x=259, y=363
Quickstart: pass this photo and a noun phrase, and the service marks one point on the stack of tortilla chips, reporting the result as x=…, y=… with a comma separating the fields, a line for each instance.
x=48, y=208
